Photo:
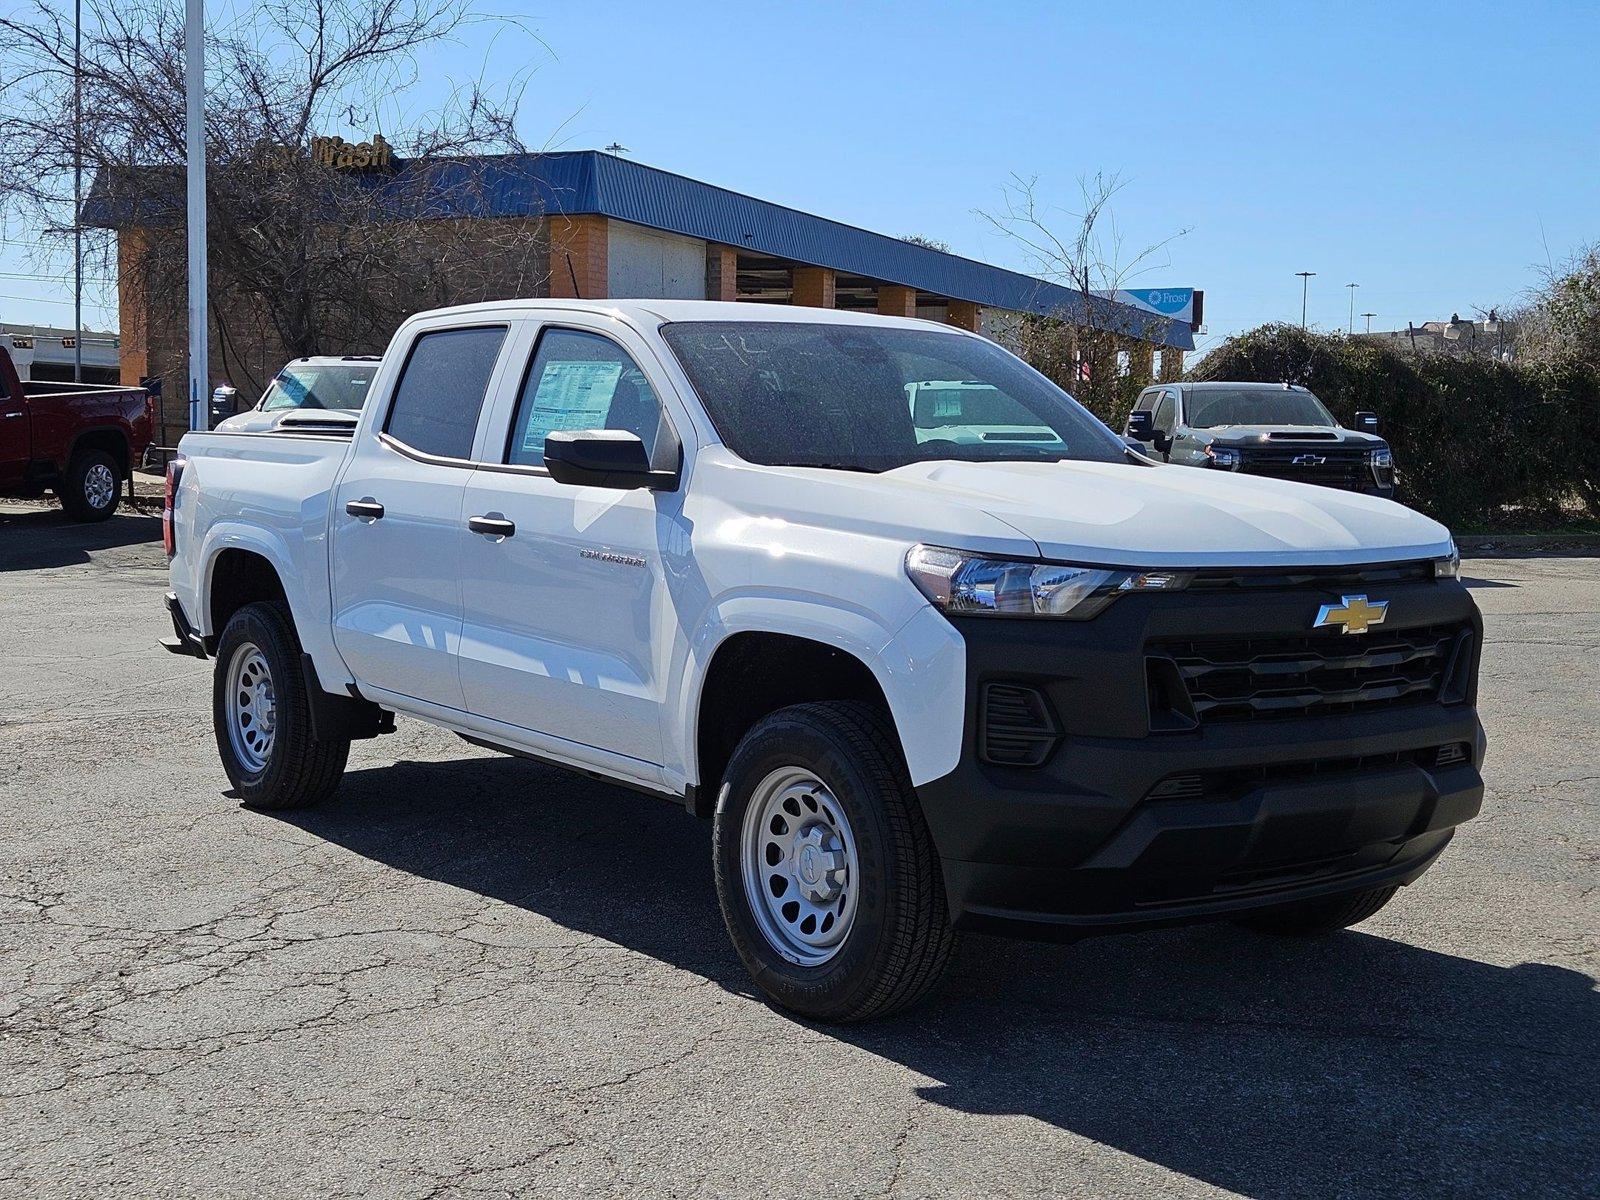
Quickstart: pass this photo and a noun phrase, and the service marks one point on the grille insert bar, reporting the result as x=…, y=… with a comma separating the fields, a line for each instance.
x=1312, y=675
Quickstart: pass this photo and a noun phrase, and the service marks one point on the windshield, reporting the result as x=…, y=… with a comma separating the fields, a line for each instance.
x=331, y=385
x=854, y=397
x=1211, y=407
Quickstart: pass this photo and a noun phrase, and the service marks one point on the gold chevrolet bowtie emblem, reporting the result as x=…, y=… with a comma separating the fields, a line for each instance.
x=1353, y=614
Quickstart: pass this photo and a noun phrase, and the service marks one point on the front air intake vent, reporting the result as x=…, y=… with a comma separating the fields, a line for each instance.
x=1016, y=727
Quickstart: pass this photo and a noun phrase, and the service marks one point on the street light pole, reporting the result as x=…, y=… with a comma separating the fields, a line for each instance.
x=1352, y=287
x=1369, y=317
x=194, y=79
x=1305, y=284
x=77, y=192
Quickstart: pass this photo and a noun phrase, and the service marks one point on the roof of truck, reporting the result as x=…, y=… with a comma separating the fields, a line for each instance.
x=654, y=312
x=1253, y=385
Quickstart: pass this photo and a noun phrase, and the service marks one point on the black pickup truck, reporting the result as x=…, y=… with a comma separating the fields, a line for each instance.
x=1262, y=429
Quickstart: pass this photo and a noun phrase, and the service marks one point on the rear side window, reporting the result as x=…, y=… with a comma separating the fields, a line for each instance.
x=441, y=390
x=581, y=381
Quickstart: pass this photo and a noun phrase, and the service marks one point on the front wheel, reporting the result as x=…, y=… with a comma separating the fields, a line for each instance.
x=825, y=870
x=261, y=710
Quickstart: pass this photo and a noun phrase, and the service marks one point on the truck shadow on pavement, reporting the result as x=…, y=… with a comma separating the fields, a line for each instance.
x=33, y=539
x=1354, y=1065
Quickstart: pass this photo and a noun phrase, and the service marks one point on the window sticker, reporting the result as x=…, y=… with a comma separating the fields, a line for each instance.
x=570, y=395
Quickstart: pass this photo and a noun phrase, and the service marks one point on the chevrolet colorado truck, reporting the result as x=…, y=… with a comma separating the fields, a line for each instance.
x=80, y=440
x=1049, y=688
x=1275, y=429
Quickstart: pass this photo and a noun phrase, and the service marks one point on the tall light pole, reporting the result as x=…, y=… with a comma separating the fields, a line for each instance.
x=1352, y=288
x=1369, y=317
x=194, y=83
x=1305, y=285
x=77, y=192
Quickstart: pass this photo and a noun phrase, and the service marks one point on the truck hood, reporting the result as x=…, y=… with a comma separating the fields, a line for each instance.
x=1171, y=516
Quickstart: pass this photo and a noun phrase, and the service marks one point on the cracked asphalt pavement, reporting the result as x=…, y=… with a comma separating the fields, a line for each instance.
x=476, y=976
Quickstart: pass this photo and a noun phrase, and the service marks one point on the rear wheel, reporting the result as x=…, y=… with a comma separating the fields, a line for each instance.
x=1312, y=917
x=261, y=710
x=826, y=873
x=91, y=488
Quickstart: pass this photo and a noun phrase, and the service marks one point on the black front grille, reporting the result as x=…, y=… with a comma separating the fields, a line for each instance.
x=1233, y=679
x=1310, y=464
x=1016, y=727
x=1229, y=783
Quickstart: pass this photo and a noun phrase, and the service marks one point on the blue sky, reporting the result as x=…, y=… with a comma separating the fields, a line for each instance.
x=1436, y=154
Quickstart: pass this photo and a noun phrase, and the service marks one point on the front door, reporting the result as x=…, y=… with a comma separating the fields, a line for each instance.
x=15, y=440
x=563, y=587
x=398, y=524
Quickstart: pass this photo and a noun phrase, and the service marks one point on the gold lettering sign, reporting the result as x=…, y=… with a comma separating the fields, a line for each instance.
x=341, y=155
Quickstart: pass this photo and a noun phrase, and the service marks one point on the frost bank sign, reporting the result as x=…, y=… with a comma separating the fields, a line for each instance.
x=1176, y=303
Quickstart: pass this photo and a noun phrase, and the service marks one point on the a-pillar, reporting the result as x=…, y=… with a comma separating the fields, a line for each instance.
x=897, y=300
x=722, y=272
x=963, y=314
x=578, y=257
x=813, y=287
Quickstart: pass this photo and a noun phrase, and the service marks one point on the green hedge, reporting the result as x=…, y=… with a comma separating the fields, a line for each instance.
x=1477, y=443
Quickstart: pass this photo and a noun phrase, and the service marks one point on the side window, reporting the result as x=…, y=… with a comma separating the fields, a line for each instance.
x=581, y=381
x=1163, y=419
x=441, y=390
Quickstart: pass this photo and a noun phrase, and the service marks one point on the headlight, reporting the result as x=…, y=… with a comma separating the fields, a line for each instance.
x=1382, y=459
x=1448, y=567
x=969, y=585
x=1222, y=457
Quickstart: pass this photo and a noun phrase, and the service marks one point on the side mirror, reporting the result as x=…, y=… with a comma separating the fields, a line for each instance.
x=1367, y=422
x=1141, y=427
x=608, y=458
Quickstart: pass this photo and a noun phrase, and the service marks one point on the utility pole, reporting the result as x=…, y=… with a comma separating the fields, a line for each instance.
x=194, y=81
x=1369, y=317
x=1305, y=284
x=77, y=192
x=1352, y=288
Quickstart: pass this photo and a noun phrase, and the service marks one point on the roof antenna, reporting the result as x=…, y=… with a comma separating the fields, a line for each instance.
x=577, y=292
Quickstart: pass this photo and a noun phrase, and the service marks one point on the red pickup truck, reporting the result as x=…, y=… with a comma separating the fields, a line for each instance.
x=80, y=440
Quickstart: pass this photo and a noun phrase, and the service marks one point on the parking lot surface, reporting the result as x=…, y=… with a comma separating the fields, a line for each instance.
x=472, y=975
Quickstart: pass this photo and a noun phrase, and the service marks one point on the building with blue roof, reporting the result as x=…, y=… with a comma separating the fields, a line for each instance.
x=619, y=229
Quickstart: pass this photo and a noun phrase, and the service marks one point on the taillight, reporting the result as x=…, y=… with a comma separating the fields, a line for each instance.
x=169, y=529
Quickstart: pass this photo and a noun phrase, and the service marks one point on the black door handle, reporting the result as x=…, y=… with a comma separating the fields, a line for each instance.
x=492, y=526
x=368, y=509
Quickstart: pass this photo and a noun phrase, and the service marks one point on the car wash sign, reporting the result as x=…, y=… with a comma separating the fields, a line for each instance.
x=1177, y=304
x=341, y=155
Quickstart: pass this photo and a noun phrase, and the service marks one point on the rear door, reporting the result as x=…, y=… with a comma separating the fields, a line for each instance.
x=397, y=521
x=565, y=601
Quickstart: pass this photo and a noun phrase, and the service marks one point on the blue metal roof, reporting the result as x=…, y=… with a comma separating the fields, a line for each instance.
x=590, y=182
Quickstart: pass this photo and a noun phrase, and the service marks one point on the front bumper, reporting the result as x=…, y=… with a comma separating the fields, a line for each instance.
x=1126, y=826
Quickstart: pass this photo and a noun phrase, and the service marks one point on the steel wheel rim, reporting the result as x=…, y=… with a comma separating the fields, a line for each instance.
x=252, y=708
x=99, y=485
x=800, y=868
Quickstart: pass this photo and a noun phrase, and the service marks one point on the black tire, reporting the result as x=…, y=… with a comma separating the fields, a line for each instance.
x=83, y=492
x=900, y=939
x=1312, y=917
x=297, y=770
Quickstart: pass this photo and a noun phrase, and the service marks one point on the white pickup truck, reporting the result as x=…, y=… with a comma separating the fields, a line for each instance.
x=1036, y=686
